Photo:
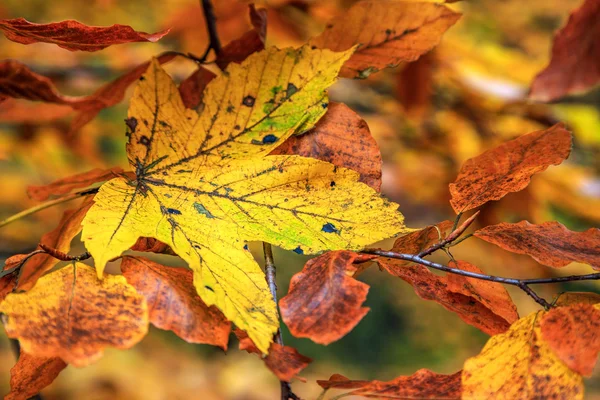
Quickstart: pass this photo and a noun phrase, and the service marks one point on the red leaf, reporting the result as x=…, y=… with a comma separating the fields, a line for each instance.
x=192, y=88
x=549, y=244
x=284, y=361
x=73, y=35
x=423, y=384
x=66, y=185
x=151, y=245
x=573, y=66
x=573, y=333
x=323, y=302
x=31, y=374
x=416, y=242
x=508, y=167
x=342, y=138
x=174, y=304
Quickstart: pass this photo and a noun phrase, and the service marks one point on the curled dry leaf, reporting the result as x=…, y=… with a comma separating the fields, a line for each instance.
x=31, y=374
x=66, y=185
x=508, y=167
x=73, y=35
x=73, y=315
x=324, y=302
x=173, y=303
x=550, y=243
x=60, y=239
x=519, y=364
x=293, y=202
x=573, y=65
x=423, y=384
x=342, y=138
x=573, y=333
x=386, y=32
x=284, y=361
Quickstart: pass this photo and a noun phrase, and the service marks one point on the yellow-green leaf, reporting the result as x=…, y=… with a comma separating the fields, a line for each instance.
x=205, y=184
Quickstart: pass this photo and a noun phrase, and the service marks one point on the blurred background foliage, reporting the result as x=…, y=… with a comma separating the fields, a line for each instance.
x=428, y=117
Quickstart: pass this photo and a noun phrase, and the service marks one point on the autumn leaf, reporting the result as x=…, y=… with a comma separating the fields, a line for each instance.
x=13, y=111
x=73, y=315
x=573, y=333
x=573, y=66
x=31, y=374
x=73, y=35
x=66, y=185
x=205, y=186
x=508, y=167
x=192, y=88
x=324, y=302
x=416, y=242
x=173, y=303
x=519, y=364
x=387, y=33
x=423, y=384
x=151, y=245
x=284, y=361
x=570, y=298
x=549, y=244
x=342, y=138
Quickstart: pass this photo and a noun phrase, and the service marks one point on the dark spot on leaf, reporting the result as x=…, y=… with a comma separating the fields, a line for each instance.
x=229, y=109
x=329, y=228
x=270, y=139
x=313, y=47
x=144, y=140
x=388, y=32
x=291, y=89
x=131, y=124
x=237, y=127
x=298, y=250
x=172, y=211
x=246, y=247
x=248, y=101
x=324, y=105
x=142, y=78
x=332, y=184
x=209, y=288
x=202, y=210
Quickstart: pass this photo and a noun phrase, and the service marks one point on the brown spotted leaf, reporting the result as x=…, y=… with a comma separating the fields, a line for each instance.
x=252, y=41
x=60, y=239
x=73, y=35
x=573, y=333
x=284, y=361
x=66, y=185
x=508, y=167
x=342, y=138
x=423, y=384
x=573, y=65
x=174, y=304
x=550, y=243
x=386, y=32
x=31, y=374
x=485, y=305
x=324, y=303
x=73, y=315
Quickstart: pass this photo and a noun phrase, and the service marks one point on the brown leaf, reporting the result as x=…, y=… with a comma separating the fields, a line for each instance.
x=549, y=244
x=573, y=333
x=60, y=239
x=73, y=35
x=151, y=245
x=174, y=303
x=342, y=138
x=414, y=86
x=252, y=41
x=66, y=185
x=416, y=242
x=573, y=65
x=423, y=384
x=191, y=89
x=31, y=374
x=387, y=33
x=485, y=305
x=508, y=167
x=73, y=315
x=570, y=298
x=12, y=111
x=324, y=303
x=284, y=361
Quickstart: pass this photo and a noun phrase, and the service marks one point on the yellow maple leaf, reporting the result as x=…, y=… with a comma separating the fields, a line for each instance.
x=205, y=184
x=519, y=364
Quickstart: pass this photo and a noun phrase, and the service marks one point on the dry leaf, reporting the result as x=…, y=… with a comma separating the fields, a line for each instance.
x=66, y=185
x=192, y=88
x=31, y=374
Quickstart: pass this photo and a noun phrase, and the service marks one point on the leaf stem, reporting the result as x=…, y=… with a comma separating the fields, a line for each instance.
x=455, y=234
x=270, y=272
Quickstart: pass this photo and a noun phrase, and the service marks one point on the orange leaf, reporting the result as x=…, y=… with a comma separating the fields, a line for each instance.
x=573, y=333
x=387, y=33
x=324, y=303
x=573, y=66
x=549, y=244
x=151, y=245
x=416, y=242
x=570, y=298
x=73, y=35
x=252, y=41
x=174, y=303
x=284, y=361
x=342, y=138
x=508, y=167
x=414, y=86
x=73, y=315
x=66, y=185
x=31, y=374
x=423, y=384
x=191, y=89
x=60, y=239
x=13, y=111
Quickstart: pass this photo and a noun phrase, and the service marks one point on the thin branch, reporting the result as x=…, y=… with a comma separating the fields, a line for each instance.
x=211, y=27
x=455, y=234
x=63, y=256
x=270, y=272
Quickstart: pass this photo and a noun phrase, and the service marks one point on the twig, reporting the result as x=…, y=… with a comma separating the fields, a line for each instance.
x=270, y=272
x=211, y=27
x=64, y=256
x=523, y=284
x=456, y=232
